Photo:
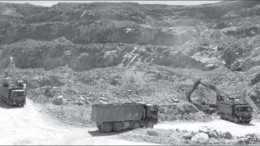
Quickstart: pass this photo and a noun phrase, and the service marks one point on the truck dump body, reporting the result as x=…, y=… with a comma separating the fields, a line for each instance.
x=225, y=108
x=116, y=112
x=4, y=91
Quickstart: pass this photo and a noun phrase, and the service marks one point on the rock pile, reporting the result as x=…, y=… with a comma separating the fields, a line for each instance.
x=207, y=135
x=249, y=139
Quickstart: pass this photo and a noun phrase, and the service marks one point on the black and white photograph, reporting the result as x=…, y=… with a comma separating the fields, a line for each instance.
x=145, y=72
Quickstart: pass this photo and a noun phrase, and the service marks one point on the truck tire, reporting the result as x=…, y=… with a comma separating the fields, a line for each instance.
x=226, y=117
x=99, y=127
x=4, y=100
x=247, y=121
x=117, y=126
x=221, y=116
x=230, y=118
x=106, y=127
x=135, y=125
x=8, y=102
x=149, y=124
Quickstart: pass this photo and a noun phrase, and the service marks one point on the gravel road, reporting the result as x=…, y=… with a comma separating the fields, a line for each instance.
x=28, y=126
x=219, y=125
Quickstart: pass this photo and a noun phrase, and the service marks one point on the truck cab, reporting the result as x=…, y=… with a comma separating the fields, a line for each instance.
x=244, y=112
x=151, y=114
x=17, y=97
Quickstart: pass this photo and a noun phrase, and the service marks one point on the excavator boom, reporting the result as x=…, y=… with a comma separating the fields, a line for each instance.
x=219, y=94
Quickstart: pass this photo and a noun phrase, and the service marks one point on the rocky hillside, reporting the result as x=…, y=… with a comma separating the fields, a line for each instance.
x=203, y=37
x=132, y=52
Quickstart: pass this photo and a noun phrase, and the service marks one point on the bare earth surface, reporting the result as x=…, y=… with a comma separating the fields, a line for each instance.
x=219, y=125
x=28, y=126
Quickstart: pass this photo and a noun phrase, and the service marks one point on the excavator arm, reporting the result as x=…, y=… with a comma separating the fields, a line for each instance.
x=13, y=77
x=11, y=70
x=220, y=96
x=196, y=84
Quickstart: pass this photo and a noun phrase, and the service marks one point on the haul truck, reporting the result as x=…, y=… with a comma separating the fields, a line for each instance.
x=13, y=94
x=234, y=110
x=117, y=117
x=12, y=89
x=231, y=109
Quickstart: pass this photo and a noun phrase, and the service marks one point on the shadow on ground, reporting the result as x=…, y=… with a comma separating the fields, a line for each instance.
x=97, y=133
x=4, y=105
x=245, y=124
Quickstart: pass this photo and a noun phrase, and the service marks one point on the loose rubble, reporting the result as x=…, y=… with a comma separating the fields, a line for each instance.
x=203, y=136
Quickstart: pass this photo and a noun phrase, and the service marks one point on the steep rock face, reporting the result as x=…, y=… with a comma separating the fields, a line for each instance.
x=61, y=52
x=102, y=31
x=16, y=11
x=203, y=37
x=91, y=11
x=35, y=54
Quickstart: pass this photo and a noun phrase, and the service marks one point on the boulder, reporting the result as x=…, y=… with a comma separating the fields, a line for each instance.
x=204, y=130
x=243, y=140
x=58, y=100
x=200, y=138
x=153, y=133
x=187, y=136
x=228, y=135
x=213, y=134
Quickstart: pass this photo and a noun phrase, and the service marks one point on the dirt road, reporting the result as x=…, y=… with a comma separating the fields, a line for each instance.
x=28, y=126
x=219, y=125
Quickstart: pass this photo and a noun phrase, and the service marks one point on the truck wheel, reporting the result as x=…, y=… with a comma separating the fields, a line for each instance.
x=3, y=100
x=247, y=121
x=117, y=126
x=135, y=125
x=221, y=116
x=106, y=127
x=226, y=117
x=236, y=120
x=149, y=124
x=99, y=127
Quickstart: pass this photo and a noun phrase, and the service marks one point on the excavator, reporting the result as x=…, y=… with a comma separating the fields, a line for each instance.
x=229, y=108
x=12, y=88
